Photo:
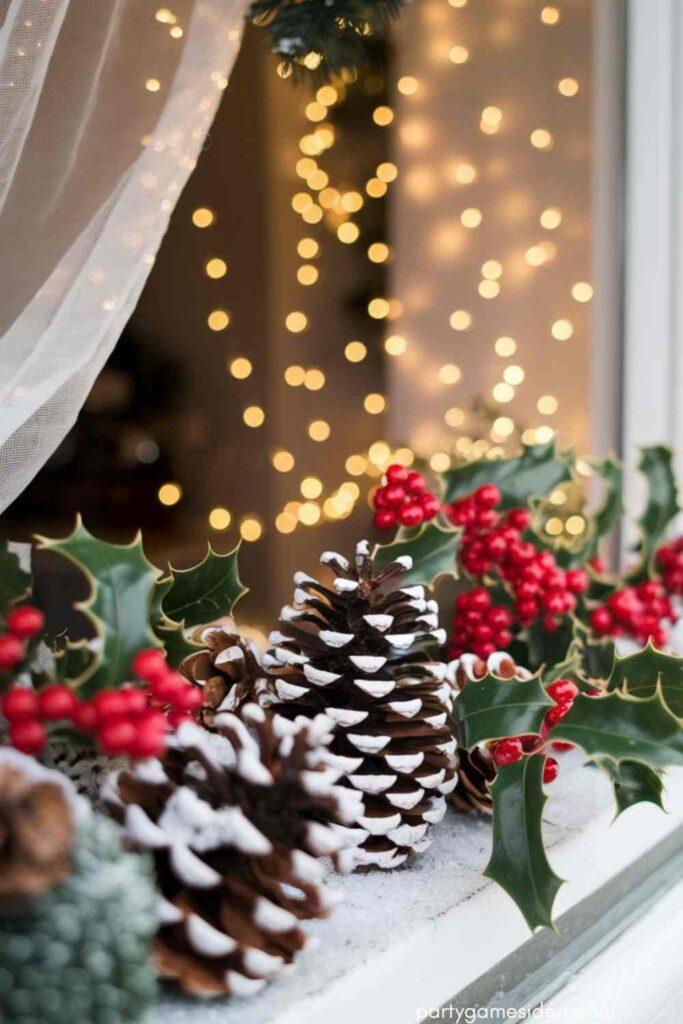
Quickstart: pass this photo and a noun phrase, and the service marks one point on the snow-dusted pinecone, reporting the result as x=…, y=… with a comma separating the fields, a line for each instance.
x=226, y=670
x=365, y=651
x=477, y=768
x=235, y=821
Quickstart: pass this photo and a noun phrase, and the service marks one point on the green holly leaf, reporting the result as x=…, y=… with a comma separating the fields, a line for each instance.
x=121, y=585
x=433, y=549
x=518, y=860
x=607, y=516
x=205, y=592
x=596, y=656
x=171, y=634
x=624, y=728
x=649, y=671
x=533, y=473
x=662, y=505
x=72, y=660
x=633, y=783
x=492, y=708
x=543, y=648
x=15, y=582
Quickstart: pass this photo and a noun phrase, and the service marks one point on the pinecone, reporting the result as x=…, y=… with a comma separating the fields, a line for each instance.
x=37, y=831
x=227, y=671
x=235, y=820
x=365, y=652
x=477, y=768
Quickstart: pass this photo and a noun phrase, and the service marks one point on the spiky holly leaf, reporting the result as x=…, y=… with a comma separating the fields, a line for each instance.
x=72, y=660
x=596, y=656
x=647, y=671
x=171, y=634
x=661, y=506
x=624, y=728
x=432, y=548
x=543, y=648
x=15, y=582
x=518, y=859
x=492, y=708
x=633, y=783
x=206, y=592
x=535, y=472
x=121, y=584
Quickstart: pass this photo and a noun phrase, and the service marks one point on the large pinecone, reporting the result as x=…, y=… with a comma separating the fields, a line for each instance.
x=226, y=670
x=235, y=820
x=365, y=651
x=477, y=768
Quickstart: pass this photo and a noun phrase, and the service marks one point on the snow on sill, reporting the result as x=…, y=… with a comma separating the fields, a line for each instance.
x=417, y=936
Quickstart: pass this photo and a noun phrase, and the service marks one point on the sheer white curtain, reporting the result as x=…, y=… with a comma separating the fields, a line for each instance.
x=104, y=108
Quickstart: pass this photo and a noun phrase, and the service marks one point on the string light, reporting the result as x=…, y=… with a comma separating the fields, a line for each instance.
x=550, y=15
x=378, y=252
x=471, y=217
x=311, y=487
x=491, y=270
x=383, y=116
x=547, y=405
x=582, y=291
x=319, y=430
x=562, y=330
x=378, y=309
x=465, y=174
x=254, y=416
x=296, y=322
x=407, y=85
x=283, y=461
x=460, y=320
x=488, y=289
x=356, y=465
x=374, y=403
x=355, y=351
x=170, y=494
x=567, y=87
x=454, y=416
x=450, y=373
x=314, y=380
x=152, y=85
x=503, y=392
x=308, y=248
x=387, y=172
x=307, y=274
x=251, y=529
x=395, y=345
x=458, y=54
x=295, y=376
x=219, y=518
x=218, y=320
x=348, y=232
x=513, y=374
x=216, y=268
x=541, y=138
x=376, y=188
x=203, y=217
x=241, y=368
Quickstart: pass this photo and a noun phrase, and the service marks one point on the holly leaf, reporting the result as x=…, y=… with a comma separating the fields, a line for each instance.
x=647, y=672
x=15, y=582
x=545, y=648
x=432, y=548
x=633, y=783
x=596, y=656
x=492, y=708
x=121, y=585
x=533, y=473
x=623, y=727
x=608, y=514
x=205, y=592
x=518, y=860
x=661, y=507
x=72, y=660
x=171, y=634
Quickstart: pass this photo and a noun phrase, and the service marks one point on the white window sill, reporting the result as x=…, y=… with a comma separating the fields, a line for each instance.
x=417, y=937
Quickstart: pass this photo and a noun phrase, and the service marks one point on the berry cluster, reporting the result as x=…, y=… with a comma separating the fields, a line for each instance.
x=133, y=720
x=479, y=627
x=635, y=611
x=493, y=543
x=403, y=499
x=669, y=560
x=23, y=624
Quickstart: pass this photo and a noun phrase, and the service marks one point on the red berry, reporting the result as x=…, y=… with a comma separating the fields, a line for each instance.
x=168, y=689
x=508, y=751
x=397, y=474
x=556, y=714
x=550, y=770
x=109, y=704
x=149, y=665
x=154, y=721
x=563, y=690
x=20, y=704
x=379, y=498
x=189, y=699
x=594, y=691
x=415, y=482
x=577, y=581
x=410, y=515
x=117, y=736
x=28, y=736
x=519, y=519
x=148, y=743
x=480, y=599
x=550, y=624
x=431, y=506
x=496, y=546
x=499, y=618
x=385, y=519
x=602, y=621
x=486, y=518
x=598, y=564
x=562, y=745
x=178, y=718
x=487, y=496
x=394, y=495
x=85, y=717
x=57, y=702
x=503, y=639
x=11, y=651
x=136, y=702
x=462, y=512
x=25, y=621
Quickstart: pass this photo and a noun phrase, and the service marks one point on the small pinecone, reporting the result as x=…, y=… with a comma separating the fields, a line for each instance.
x=477, y=768
x=235, y=820
x=226, y=670
x=365, y=652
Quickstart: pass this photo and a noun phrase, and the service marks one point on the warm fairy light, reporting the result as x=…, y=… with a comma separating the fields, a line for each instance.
x=378, y=309
x=311, y=487
x=440, y=462
x=307, y=274
x=449, y=373
x=460, y=319
x=316, y=111
x=408, y=85
x=296, y=322
x=503, y=392
x=382, y=116
x=305, y=166
x=283, y=461
x=503, y=426
x=351, y=202
x=355, y=351
x=312, y=60
x=176, y=32
x=203, y=217
x=541, y=138
x=567, y=87
x=535, y=256
x=295, y=376
x=551, y=218
x=240, y=368
x=491, y=115
x=152, y=85
x=329, y=198
x=471, y=217
x=165, y=16
x=216, y=268
x=301, y=201
x=554, y=526
x=312, y=214
x=348, y=232
x=404, y=456
x=309, y=513
x=575, y=525
x=376, y=188
x=547, y=405
x=170, y=494
x=458, y=54
x=318, y=180
x=550, y=15
x=285, y=523
x=378, y=252
x=250, y=528
x=314, y=379
x=325, y=135
x=327, y=95
x=582, y=291
x=562, y=330
x=465, y=174
x=308, y=248
x=387, y=172
x=454, y=416
x=544, y=434
x=457, y=3
x=491, y=270
x=513, y=374
x=254, y=416
x=374, y=403
x=218, y=320
x=395, y=345
x=219, y=518
x=488, y=289
x=505, y=347
x=318, y=430
x=379, y=453
x=356, y=465
x=558, y=497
